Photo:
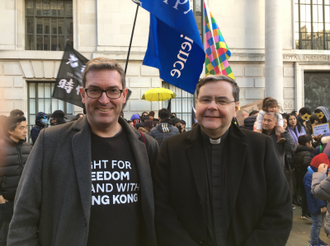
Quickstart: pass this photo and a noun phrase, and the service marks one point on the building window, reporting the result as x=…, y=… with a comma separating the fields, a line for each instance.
x=49, y=24
x=181, y=104
x=312, y=24
x=317, y=90
x=40, y=100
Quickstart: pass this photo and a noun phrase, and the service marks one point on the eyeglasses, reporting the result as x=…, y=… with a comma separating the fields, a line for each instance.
x=218, y=101
x=95, y=93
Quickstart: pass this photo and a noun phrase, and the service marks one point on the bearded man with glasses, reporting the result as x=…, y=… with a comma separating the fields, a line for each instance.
x=88, y=182
x=218, y=184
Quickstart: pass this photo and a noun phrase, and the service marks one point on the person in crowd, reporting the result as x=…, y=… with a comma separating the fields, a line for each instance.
x=294, y=127
x=155, y=122
x=41, y=123
x=144, y=114
x=270, y=126
x=121, y=114
x=151, y=115
x=14, y=152
x=148, y=125
x=164, y=129
x=313, y=120
x=285, y=121
x=88, y=181
x=16, y=112
x=317, y=207
x=321, y=190
x=302, y=160
x=183, y=126
x=57, y=118
x=250, y=120
x=178, y=124
x=136, y=119
x=304, y=115
x=269, y=105
x=130, y=123
x=323, y=114
x=173, y=114
x=78, y=116
x=218, y=184
x=325, y=139
x=174, y=120
x=294, y=112
x=326, y=146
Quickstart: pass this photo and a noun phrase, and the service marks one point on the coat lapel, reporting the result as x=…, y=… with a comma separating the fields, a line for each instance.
x=235, y=162
x=196, y=156
x=81, y=148
x=141, y=158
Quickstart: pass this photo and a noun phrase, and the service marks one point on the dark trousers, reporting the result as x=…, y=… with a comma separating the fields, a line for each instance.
x=6, y=213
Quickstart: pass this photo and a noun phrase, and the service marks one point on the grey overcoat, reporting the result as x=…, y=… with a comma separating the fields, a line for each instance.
x=53, y=200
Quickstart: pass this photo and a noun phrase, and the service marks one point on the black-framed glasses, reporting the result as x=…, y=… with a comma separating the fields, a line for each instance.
x=218, y=101
x=95, y=93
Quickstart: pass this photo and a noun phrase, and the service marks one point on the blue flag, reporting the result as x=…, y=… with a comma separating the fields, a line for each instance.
x=174, y=46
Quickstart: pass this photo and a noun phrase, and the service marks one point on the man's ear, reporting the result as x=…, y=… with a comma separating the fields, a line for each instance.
x=276, y=123
x=82, y=93
x=236, y=108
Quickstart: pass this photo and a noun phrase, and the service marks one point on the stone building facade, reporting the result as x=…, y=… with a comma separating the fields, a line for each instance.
x=103, y=28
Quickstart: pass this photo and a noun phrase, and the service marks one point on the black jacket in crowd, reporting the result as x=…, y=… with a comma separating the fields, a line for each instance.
x=12, y=160
x=302, y=158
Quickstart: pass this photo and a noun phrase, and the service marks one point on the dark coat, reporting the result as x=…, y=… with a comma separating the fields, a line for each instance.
x=53, y=200
x=249, y=122
x=162, y=131
x=12, y=160
x=281, y=150
x=258, y=206
x=302, y=158
x=314, y=204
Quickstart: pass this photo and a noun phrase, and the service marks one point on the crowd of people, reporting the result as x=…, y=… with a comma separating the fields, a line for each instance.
x=304, y=151
x=101, y=179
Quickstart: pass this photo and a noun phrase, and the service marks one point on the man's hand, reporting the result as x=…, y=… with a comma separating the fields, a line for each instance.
x=323, y=210
x=280, y=129
x=323, y=168
x=2, y=200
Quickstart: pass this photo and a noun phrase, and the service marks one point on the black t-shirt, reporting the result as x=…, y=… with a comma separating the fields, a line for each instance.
x=116, y=217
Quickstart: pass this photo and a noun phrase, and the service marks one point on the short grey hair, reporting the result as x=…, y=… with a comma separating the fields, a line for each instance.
x=275, y=115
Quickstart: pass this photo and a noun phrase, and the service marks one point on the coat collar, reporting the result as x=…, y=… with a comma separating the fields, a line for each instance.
x=81, y=148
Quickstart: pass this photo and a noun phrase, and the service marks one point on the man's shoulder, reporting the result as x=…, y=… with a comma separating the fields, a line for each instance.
x=253, y=136
x=63, y=130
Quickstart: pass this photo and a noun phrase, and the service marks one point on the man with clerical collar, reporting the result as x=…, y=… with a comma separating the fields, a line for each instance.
x=218, y=184
x=88, y=182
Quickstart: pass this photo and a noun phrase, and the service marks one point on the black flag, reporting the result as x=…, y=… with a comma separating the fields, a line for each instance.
x=68, y=81
x=169, y=106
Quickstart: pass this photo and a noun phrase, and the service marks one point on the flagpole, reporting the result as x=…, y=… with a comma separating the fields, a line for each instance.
x=130, y=43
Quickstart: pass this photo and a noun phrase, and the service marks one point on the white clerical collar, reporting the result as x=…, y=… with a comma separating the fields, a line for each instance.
x=215, y=141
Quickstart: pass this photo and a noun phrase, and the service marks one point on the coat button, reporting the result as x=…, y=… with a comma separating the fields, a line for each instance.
x=85, y=222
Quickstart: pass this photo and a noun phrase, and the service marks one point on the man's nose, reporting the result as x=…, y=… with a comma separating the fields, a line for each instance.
x=213, y=105
x=104, y=98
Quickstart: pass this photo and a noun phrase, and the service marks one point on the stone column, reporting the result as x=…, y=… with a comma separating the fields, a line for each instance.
x=273, y=51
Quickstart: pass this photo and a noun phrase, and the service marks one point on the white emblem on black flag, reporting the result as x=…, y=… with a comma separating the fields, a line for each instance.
x=69, y=81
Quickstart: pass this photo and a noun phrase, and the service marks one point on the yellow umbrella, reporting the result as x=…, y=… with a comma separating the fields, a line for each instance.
x=158, y=94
